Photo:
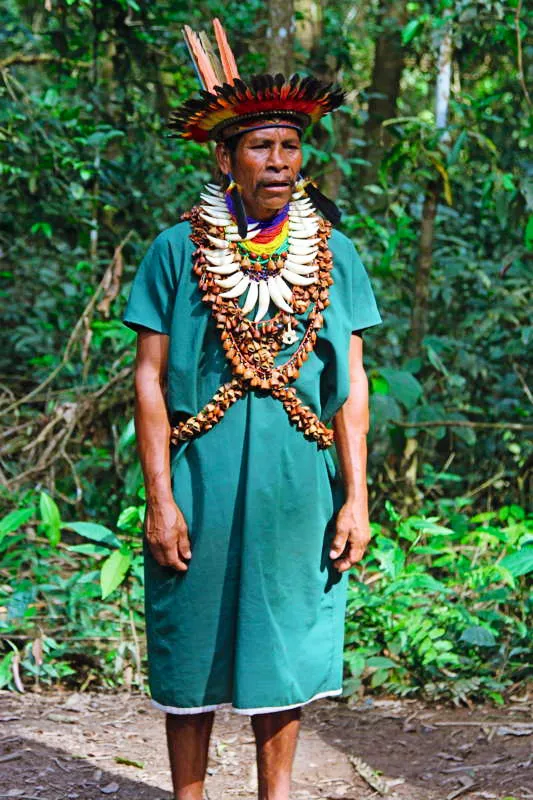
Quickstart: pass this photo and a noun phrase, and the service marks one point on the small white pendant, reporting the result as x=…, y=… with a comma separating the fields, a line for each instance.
x=289, y=336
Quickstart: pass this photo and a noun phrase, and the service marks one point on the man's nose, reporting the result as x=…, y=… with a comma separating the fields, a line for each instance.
x=277, y=158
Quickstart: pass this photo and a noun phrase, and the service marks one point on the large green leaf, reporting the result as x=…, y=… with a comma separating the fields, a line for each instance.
x=383, y=408
x=477, y=634
x=89, y=549
x=429, y=526
x=51, y=518
x=519, y=563
x=114, y=571
x=12, y=521
x=94, y=531
x=381, y=662
x=403, y=386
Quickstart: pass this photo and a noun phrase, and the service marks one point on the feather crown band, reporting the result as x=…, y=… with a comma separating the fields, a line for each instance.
x=227, y=101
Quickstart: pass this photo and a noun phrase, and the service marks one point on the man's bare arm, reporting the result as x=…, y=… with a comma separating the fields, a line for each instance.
x=165, y=528
x=351, y=427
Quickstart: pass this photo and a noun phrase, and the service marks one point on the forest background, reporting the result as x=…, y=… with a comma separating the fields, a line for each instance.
x=428, y=159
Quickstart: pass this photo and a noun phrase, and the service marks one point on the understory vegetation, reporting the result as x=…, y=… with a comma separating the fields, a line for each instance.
x=437, y=195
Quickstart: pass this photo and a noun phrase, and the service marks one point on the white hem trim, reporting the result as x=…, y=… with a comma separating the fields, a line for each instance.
x=248, y=711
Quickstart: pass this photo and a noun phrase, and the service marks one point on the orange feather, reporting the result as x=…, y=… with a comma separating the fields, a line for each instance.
x=226, y=54
x=201, y=59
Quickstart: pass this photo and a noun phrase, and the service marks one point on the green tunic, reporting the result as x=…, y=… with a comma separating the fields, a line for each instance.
x=257, y=621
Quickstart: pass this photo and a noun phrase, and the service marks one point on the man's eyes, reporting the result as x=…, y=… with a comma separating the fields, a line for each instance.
x=266, y=146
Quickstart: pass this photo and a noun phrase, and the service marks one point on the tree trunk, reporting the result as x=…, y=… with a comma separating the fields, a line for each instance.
x=423, y=272
x=429, y=211
x=384, y=88
x=280, y=36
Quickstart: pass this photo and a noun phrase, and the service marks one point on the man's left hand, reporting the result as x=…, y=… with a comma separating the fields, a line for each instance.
x=351, y=537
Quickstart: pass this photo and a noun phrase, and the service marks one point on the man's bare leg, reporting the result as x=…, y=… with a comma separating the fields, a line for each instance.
x=276, y=735
x=188, y=745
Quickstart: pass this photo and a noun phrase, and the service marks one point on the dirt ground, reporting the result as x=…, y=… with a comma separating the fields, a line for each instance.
x=60, y=746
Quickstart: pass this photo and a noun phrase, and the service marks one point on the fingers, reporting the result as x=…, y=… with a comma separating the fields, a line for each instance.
x=338, y=544
x=184, y=545
x=168, y=536
x=352, y=552
x=168, y=555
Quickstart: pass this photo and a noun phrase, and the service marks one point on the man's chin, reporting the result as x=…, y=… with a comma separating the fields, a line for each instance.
x=275, y=196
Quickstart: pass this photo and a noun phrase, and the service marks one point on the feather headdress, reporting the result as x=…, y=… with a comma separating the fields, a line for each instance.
x=229, y=105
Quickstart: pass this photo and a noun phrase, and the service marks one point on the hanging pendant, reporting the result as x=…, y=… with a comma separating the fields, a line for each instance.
x=289, y=336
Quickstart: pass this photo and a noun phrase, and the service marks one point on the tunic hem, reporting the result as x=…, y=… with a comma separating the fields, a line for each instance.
x=248, y=711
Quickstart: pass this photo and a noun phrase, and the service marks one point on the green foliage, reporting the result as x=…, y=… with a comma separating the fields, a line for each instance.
x=88, y=180
x=442, y=609
x=438, y=606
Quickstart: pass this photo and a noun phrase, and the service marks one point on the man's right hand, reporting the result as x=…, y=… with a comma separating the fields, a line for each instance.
x=167, y=534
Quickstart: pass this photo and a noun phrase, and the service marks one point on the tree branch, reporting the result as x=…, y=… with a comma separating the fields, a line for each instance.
x=40, y=58
x=462, y=423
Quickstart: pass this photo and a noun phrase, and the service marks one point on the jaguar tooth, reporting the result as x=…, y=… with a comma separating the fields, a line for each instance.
x=301, y=258
x=303, y=249
x=214, y=201
x=276, y=296
x=297, y=280
x=300, y=215
x=298, y=243
x=302, y=225
x=251, y=298
x=264, y=301
x=225, y=269
x=301, y=269
x=286, y=293
x=232, y=280
x=218, y=222
x=222, y=243
x=301, y=235
x=238, y=289
x=218, y=257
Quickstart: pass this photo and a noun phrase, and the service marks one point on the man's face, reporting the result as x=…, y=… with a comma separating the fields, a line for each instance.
x=265, y=164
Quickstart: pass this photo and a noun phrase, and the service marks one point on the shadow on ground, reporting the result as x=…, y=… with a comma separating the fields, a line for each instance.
x=64, y=746
x=29, y=770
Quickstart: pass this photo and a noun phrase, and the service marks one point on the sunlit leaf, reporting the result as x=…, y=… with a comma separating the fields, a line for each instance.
x=94, y=531
x=113, y=571
x=519, y=563
x=12, y=521
x=51, y=518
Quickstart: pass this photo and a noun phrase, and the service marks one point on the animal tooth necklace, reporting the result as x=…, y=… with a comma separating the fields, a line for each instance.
x=294, y=277
x=273, y=258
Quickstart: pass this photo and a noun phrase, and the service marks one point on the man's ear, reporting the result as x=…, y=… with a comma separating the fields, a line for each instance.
x=223, y=158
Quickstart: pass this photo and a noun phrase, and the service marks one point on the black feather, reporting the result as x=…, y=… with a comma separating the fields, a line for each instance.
x=240, y=213
x=323, y=204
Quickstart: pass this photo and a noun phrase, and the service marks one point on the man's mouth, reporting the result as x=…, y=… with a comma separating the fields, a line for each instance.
x=276, y=184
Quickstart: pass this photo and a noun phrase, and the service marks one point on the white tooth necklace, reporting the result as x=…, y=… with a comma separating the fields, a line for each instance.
x=264, y=279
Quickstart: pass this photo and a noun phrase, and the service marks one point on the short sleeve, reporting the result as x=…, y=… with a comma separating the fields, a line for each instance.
x=152, y=294
x=364, y=308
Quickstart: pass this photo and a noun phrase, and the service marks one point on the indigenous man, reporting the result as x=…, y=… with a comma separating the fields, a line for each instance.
x=249, y=363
